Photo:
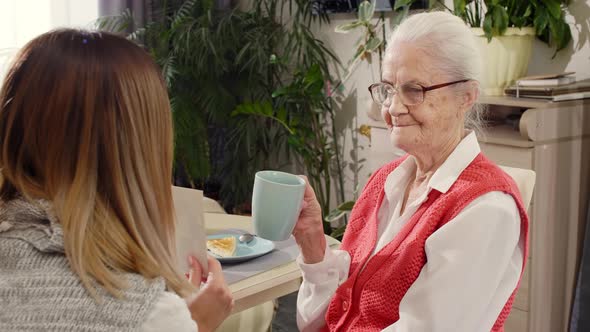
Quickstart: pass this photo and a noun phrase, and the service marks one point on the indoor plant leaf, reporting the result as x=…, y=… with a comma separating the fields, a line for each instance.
x=366, y=10
x=345, y=28
x=553, y=7
x=460, y=7
x=528, y=10
x=338, y=232
x=500, y=20
x=346, y=206
x=495, y=16
x=282, y=114
x=487, y=27
x=401, y=3
x=541, y=21
x=335, y=215
x=372, y=44
x=400, y=15
x=560, y=34
x=183, y=12
x=340, y=211
x=280, y=92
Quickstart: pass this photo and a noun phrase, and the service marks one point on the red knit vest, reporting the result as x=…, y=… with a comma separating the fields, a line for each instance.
x=369, y=299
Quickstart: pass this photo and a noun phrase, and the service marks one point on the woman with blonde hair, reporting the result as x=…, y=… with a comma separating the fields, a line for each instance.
x=86, y=211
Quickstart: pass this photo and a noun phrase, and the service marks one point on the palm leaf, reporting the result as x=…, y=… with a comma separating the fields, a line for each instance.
x=168, y=69
x=183, y=13
x=115, y=23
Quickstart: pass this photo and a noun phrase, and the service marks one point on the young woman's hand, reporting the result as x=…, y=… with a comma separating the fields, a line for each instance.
x=309, y=230
x=213, y=303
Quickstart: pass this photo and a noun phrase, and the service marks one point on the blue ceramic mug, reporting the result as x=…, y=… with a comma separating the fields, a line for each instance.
x=276, y=204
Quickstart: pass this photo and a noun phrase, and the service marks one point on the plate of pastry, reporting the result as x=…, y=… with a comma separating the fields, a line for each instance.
x=227, y=248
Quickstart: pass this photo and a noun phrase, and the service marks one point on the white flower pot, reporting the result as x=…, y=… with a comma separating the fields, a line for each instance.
x=505, y=58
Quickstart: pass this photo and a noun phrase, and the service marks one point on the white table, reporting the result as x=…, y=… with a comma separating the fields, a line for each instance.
x=265, y=286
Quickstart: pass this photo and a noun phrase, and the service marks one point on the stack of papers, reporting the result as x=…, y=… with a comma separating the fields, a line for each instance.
x=547, y=80
x=552, y=87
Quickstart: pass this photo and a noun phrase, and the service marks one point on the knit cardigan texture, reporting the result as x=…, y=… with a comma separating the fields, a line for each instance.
x=369, y=299
x=39, y=291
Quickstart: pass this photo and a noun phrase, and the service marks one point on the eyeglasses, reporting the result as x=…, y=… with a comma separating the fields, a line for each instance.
x=410, y=93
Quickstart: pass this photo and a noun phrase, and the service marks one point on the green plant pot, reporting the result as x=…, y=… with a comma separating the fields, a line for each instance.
x=505, y=59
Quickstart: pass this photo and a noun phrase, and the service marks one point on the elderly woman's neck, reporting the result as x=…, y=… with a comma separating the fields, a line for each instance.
x=428, y=161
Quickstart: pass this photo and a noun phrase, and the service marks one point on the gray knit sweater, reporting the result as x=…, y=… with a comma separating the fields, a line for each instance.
x=38, y=290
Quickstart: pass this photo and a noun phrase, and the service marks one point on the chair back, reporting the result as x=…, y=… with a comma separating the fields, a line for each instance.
x=525, y=181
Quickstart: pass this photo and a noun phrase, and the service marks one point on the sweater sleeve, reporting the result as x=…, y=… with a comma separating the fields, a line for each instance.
x=320, y=282
x=170, y=313
x=474, y=265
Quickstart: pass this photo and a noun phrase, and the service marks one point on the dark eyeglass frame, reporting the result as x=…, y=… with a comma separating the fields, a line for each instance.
x=424, y=89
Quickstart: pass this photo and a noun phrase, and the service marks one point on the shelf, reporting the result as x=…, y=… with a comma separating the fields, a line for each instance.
x=527, y=102
x=504, y=135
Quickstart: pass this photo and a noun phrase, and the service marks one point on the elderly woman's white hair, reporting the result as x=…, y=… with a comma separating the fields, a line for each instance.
x=449, y=44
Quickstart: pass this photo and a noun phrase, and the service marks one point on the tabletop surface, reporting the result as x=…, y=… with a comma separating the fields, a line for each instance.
x=264, y=286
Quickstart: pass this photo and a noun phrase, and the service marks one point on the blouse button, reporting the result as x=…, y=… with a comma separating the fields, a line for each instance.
x=344, y=305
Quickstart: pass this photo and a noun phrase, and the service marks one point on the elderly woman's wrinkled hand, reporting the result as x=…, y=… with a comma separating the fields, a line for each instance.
x=309, y=230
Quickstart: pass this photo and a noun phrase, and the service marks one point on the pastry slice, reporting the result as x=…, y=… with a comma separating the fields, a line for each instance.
x=223, y=247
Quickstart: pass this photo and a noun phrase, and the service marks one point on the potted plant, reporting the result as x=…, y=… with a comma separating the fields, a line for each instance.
x=246, y=86
x=506, y=29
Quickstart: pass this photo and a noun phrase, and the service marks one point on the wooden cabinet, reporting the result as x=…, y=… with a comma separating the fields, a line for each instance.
x=553, y=139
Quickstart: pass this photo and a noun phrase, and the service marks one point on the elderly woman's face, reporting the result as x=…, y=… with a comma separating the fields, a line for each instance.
x=428, y=126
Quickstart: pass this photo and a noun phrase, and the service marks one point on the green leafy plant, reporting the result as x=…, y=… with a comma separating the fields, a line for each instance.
x=495, y=16
x=295, y=100
x=223, y=69
x=339, y=212
x=304, y=110
x=168, y=41
x=370, y=41
x=373, y=33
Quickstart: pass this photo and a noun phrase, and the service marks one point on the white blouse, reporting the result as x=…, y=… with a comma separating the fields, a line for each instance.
x=473, y=264
x=170, y=313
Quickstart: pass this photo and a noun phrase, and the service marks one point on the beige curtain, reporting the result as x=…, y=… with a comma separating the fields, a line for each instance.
x=141, y=10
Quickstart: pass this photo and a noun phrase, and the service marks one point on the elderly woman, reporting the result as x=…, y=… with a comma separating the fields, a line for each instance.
x=437, y=239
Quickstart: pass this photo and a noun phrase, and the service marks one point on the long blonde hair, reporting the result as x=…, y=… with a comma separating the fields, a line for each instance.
x=85, y=123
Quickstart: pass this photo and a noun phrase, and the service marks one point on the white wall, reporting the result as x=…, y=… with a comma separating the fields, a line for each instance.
x=22, y=20
x=13, y=29
x=576, y=57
